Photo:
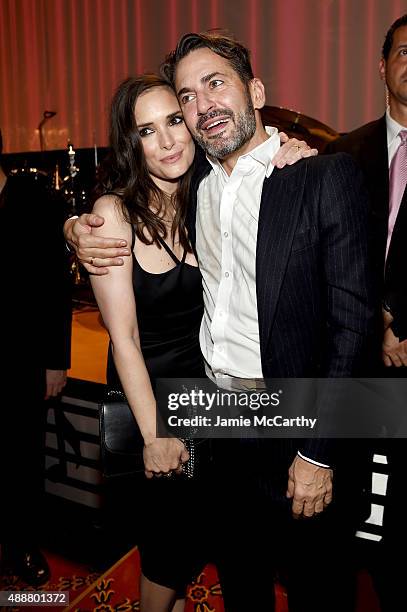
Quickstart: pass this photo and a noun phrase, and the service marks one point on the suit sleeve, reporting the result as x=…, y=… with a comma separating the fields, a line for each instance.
x=57, y=333
x=347, y=272
x=348, y=294
x=396, y=298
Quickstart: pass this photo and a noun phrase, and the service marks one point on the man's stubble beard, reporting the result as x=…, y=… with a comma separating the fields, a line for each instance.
x=245, y=127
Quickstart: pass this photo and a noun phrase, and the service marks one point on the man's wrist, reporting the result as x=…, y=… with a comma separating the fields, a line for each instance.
x=67, y=232
x=398, y=330
x=323, y=465
x=386, y=307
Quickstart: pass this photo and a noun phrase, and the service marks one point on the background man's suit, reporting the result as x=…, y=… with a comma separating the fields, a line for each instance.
x=315, y=311
x=36, y=335
x=368, y=146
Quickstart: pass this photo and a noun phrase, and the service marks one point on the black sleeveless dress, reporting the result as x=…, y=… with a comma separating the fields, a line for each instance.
x=169, y=312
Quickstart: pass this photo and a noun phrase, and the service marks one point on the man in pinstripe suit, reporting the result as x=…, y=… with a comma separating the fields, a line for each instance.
x=283, y=255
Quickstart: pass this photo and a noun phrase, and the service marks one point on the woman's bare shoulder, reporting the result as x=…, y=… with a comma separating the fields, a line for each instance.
x=110, y=208
x=107, y=203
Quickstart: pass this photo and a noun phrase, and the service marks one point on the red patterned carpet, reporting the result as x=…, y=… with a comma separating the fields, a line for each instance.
x=66, y=575
x=116, y=590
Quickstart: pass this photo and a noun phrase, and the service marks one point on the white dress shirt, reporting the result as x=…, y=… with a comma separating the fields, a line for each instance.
x=226, y=238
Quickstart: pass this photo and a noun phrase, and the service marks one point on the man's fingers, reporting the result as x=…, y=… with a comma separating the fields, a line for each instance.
x=290, y=488
x=115, y=246
x=98, y=265
x=96, y=271
x=387, y=361
x=297, y=508
x=98, y=262
x=328, y=497
x=403, y=358
x=395, y=359
x=91, y=219
x=309, y=508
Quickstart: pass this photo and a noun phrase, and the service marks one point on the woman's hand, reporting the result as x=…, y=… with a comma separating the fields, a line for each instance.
x=163, y=456
x=291, y=151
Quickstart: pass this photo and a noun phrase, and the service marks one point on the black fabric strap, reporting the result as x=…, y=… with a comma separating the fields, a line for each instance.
x=170, y=253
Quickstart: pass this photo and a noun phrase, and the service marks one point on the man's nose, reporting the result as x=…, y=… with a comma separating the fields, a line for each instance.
x=204, y=103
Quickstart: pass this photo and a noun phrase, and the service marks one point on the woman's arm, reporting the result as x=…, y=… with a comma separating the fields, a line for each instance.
x=115, y=297
x=98, y=251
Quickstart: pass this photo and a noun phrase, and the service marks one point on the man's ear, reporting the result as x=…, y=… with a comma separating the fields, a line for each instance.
x=257, y=93
x=382, y=69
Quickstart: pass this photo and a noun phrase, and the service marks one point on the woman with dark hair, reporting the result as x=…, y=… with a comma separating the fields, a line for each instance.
x=152, y=307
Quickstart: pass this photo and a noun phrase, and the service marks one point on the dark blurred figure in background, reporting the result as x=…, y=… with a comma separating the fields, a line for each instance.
x=35, y=355
x=380, y=147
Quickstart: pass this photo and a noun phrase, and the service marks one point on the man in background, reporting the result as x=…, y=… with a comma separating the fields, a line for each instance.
x=380, y=148
x=35, y=355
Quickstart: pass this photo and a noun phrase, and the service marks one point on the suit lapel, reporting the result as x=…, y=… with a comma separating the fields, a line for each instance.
x=279, y=211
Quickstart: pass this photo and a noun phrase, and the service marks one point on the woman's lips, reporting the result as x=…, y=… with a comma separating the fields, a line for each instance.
x=171, y=159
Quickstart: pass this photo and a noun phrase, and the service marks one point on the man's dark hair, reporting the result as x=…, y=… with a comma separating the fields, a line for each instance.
x=388, y=41
x=217, y=41
x=1, y=143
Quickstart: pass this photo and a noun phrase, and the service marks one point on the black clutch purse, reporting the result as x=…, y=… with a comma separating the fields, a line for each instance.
x=121, y=442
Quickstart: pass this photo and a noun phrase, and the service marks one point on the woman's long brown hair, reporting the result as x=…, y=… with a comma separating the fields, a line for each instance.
x=124, y=171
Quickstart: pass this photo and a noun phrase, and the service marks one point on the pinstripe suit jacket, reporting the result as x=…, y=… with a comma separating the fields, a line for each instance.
x=314, y=297
x=368, y=146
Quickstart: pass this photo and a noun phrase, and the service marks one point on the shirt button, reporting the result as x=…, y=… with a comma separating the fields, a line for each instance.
x=225, y=234
x=227, y=274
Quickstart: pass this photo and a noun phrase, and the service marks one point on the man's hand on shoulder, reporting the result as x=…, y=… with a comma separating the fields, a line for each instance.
x=96, y=253
x=309, y=486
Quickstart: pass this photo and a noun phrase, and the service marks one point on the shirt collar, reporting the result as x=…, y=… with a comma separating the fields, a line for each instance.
x=262, y=154
x=393, y=128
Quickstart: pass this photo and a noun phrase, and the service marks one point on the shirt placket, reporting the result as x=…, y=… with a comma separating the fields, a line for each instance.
x=225, y=290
